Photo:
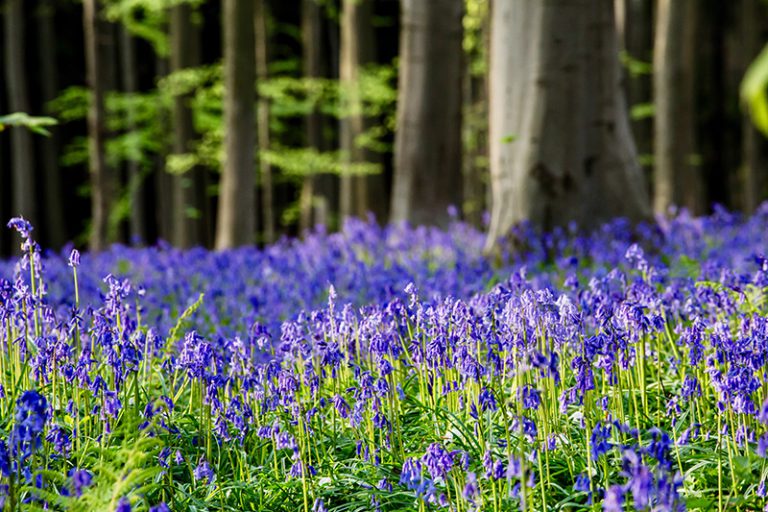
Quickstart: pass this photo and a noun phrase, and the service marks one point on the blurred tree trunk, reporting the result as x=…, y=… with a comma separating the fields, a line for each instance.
x=163, y=181
x=634, y=22
x=262, y=119
x=359, y=194
x=101, y=174
x=753, y=145
x=136, y=219
x=428, y=137
x=49, y=88
x=677, y=175
x=189, y=189
x=22, y=158
x=311, y=38
x=560, y=145
x=237, y=195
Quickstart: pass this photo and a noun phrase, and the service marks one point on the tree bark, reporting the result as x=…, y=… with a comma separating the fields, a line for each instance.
x=753, y=146
x=360, y=194
x=189, y=189
x=677, y=178
x=311, y=36
x=428, y=138
x=23, y=164
x=101, y=175
x=262, y=120
x=237, y=195
x=54, y=207
x=136, y=219
x=560, y=144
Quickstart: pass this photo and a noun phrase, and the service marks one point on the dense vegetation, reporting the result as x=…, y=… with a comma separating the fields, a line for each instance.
x=392, y=369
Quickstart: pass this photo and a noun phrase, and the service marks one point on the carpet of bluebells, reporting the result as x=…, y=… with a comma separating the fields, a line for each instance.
x=392, y=369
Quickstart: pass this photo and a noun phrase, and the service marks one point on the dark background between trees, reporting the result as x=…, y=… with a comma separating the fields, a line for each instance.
x=228, y=122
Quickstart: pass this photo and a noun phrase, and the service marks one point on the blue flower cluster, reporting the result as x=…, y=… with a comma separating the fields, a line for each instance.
x=394, y=368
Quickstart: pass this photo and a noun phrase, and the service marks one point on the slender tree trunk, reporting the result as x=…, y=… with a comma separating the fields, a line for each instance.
x=54, y=207
x=753, y=146
x=262, y=119
x=635, y=33
x=311, y=35
x=189, y=189
x=101, y=175
x=23, y=164
x=163, y=181
x=428, y=138
x=136, y=220
x=677, y=177
x=560, y=144
x=360, y=194
x=237, y=195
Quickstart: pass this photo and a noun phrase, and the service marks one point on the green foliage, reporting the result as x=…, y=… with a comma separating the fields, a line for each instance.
x=753, y=91
x=35, y=124
x=636, y=67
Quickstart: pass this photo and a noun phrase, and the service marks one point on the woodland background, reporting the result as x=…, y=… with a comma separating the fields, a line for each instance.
x=222, y=123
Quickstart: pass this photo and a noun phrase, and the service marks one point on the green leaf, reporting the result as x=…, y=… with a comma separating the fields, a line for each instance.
x=32, y=123
x=753, y=90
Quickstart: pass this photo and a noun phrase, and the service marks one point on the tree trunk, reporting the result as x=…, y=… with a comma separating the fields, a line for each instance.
x=560, y=144
x=136, y=220
x=189, y=188
x=262, y=120
x=677, y=178
x=23, y=165
x=54, y=207
x=163, y=181
x=635, y=34
x=101, y=175
x=753, y=146
x=237, y=195
x=360, y=194
x=428, y=138
x=311, y=36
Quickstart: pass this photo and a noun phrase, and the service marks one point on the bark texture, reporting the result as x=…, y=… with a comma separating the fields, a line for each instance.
x=560, y=145
x=262, y=120
x=360, y=194
x=428, y=137
x=189, y=188
x=101, y=174
x=237, y=194
x=23, y=164
x=677, y=179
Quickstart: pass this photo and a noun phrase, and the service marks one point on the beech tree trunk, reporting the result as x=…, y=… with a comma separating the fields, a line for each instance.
x=677, y=177
x=237, y=194
x=428, y=137
x=360, y=194
x=753, y=146
x=22, y=159
x=262, y=120
x=311, y=27
x=49, y=87
x=101, y=175
x=560, y=145
x=135, y=178
x=189, y=188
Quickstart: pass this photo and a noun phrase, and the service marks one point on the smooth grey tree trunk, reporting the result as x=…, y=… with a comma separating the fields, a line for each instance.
x=428, y=137
x=262, y=120
x=189, y=189
x=560, y=145
x=311, y=37
x=135, y=178
x=237, y=195
x=677, y=177
x=22, y=158
x=360, y=194
x=163, y=207
x=49, y=88
x=101, y=175
x=753, y=145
